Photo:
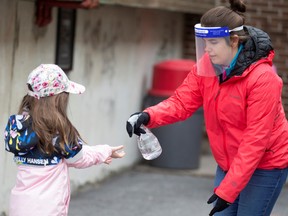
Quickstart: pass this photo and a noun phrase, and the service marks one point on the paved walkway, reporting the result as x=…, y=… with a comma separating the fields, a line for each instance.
x=150, y=191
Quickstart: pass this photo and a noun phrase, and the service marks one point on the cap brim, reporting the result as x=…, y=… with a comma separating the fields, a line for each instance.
x=75, y=88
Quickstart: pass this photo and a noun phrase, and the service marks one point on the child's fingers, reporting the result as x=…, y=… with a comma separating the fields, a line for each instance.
x=120, y=154
x=117, y=148
x=117, y=151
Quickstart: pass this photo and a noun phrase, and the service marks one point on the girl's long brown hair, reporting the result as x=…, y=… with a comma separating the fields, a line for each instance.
x=49, y=119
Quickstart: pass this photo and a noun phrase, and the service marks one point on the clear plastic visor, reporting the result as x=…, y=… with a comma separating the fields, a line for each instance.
x=212, y=50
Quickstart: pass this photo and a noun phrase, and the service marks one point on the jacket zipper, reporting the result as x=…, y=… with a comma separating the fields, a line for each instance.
x=223, y=131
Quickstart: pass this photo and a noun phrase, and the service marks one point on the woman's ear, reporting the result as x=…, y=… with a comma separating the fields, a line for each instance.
x=234, y=41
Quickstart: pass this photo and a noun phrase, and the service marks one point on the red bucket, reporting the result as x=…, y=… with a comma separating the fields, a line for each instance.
x=168, y=75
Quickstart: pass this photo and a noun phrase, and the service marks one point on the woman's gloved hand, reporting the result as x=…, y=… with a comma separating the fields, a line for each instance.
x=135, y=121
x=220, y=204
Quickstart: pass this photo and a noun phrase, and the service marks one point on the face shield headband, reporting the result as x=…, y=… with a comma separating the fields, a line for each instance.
x=213, y=49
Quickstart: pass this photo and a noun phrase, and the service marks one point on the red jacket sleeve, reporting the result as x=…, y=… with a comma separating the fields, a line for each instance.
x=186, y=99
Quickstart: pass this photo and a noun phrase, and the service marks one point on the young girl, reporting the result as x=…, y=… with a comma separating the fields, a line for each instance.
x=45, y=144
x=245, y=121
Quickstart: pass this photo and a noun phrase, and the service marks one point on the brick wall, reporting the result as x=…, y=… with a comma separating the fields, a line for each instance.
x=270, y=16
x=189, y=48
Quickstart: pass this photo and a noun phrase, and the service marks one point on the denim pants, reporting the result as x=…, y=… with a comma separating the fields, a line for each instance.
x=260, y=194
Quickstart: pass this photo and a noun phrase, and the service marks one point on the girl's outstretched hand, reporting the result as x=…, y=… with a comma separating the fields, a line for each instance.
x=117, y=152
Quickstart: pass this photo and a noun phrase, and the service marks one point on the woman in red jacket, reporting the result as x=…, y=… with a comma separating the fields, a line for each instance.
x=245, y=121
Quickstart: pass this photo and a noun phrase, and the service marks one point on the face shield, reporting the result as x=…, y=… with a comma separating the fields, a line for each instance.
x=213, y=50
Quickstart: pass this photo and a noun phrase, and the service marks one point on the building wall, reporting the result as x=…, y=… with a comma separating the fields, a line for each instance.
x=115, y=49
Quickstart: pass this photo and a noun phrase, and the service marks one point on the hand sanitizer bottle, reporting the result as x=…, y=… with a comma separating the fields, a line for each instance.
x=148, y=144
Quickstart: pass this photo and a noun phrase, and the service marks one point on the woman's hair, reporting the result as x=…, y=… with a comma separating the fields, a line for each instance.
x=49, y=119
x=231, y=17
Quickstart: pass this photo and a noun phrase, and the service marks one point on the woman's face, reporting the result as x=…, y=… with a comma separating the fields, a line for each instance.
x=219, y=50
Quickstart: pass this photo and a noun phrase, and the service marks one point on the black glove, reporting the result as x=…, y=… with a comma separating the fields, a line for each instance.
x=135, y=121
x=220, y=204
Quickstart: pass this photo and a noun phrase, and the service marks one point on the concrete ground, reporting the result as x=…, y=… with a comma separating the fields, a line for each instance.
x=150, y=191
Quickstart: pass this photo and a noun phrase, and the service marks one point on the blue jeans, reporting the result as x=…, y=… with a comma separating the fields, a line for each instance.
x=259, y=196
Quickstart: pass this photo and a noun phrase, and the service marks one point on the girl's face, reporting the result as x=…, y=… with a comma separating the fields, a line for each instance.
x=220, y=51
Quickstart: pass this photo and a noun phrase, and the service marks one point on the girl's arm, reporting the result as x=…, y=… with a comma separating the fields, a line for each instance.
x=93, y=155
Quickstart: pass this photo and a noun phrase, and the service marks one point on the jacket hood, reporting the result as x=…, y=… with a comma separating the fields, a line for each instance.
x=258, y=46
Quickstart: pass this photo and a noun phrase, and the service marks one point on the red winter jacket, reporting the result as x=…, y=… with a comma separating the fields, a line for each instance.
x=244, y=119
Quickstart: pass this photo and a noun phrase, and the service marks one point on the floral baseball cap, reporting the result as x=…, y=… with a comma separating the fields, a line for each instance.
x=49, y=79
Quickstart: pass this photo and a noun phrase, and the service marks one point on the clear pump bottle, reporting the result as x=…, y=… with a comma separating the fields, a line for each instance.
x=148, y=143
